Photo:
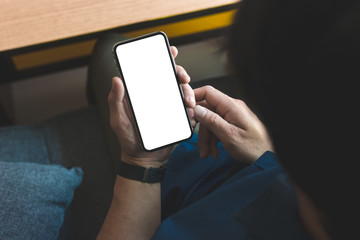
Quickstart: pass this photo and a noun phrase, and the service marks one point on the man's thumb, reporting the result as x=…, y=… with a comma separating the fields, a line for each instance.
x=211, y=121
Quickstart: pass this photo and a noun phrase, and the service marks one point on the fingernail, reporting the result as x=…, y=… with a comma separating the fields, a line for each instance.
x=199, y=111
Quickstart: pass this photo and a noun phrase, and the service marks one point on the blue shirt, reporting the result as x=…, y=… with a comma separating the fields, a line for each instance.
x=222, y=199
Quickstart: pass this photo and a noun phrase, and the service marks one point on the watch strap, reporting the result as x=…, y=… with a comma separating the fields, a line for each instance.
x=142, y=174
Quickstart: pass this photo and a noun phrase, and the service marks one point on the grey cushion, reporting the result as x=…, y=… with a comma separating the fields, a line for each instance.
x=33, y=199
x=76, y=139
x=25, y=143
x=71, y=139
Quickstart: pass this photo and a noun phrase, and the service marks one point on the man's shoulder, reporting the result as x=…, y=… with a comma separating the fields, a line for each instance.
x=274, y=214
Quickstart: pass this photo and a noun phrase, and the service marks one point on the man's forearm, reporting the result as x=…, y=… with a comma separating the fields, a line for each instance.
x=135, y=211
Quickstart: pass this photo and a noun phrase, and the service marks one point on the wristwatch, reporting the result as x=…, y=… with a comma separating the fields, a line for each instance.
x=142, y=174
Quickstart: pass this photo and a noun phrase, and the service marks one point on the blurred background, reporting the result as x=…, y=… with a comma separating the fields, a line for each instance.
x=43, y=73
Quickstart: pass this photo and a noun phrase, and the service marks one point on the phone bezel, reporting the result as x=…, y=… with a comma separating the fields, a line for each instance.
x=177, y=82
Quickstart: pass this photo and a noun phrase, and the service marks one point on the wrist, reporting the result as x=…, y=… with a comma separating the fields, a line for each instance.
x=141, y=174
x=124, y=185
x=146, y=162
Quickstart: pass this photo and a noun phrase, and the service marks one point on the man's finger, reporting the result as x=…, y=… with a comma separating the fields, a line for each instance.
x=118, y=106
x=192, y=118
x=182, y=75
x=220, y=102
x=205, y=105
x=188, y=95
x=204, y=137
x=174, y=51
x=214, y=151
x=213, y=122
x=117, y=92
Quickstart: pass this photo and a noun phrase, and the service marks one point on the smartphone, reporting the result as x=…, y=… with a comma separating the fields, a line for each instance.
x=154, y=94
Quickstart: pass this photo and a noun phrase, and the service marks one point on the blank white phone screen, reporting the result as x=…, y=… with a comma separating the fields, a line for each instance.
x=153, y=91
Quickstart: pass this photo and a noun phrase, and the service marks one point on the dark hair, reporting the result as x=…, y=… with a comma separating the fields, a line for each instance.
x=299, y=61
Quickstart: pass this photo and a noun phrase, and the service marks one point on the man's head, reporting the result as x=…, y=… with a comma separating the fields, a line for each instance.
x=299, y=61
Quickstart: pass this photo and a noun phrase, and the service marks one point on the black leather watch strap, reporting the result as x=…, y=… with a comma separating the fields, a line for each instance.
x=142, y=174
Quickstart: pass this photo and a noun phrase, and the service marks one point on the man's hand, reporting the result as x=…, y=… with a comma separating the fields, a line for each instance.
x=122, y=123
x=135, y=211
x=231, y=122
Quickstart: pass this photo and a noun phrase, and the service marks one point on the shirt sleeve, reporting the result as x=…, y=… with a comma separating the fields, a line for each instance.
x=266, y=161
x=198, y=214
